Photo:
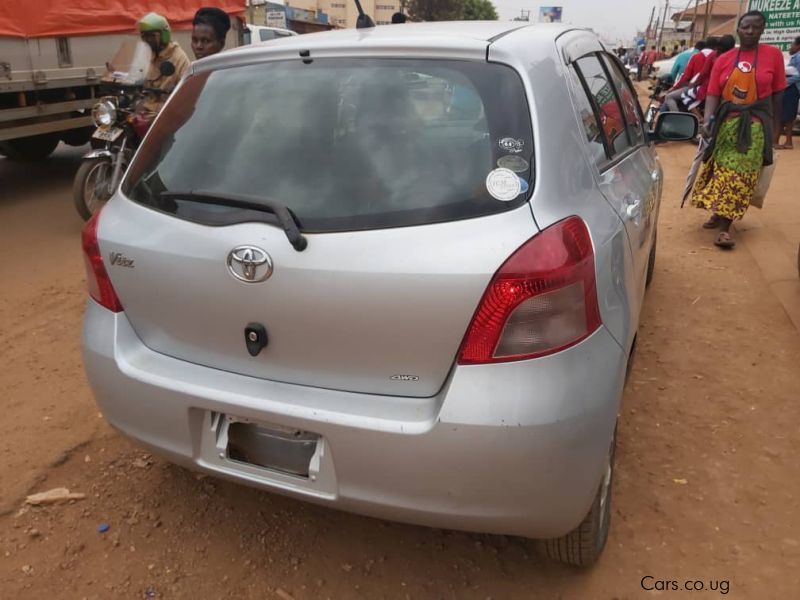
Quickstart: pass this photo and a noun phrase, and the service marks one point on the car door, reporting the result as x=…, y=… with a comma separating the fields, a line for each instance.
x=628, y=173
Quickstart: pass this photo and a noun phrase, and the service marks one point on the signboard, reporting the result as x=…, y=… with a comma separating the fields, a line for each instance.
x=783, y=21
x=551, y=14
x=301, y=14
x=276, y=18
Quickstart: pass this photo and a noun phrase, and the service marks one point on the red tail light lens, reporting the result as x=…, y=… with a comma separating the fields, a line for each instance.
x=541, y=301
x=97, y=279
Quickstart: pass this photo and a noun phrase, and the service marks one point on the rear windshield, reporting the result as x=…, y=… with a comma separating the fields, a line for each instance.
x=346, y=144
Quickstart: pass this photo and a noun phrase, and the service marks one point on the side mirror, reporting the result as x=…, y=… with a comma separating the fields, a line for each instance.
x=675, y=127
x=166, y=69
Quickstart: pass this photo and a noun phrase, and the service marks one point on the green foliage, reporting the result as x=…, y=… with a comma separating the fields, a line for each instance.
x=479, y=10
x=436, y=10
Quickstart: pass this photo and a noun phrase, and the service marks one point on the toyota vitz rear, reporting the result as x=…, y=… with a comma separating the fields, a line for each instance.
x=395, y=271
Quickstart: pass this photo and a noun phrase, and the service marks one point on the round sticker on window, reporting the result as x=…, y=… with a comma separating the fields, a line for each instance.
x=503, y=185
x=513, y=162
x=523, y=186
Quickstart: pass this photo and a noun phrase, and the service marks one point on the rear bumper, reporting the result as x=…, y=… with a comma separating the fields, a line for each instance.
x=514, y=449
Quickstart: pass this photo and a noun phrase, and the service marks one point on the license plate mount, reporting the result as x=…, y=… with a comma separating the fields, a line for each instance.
x=268, y=446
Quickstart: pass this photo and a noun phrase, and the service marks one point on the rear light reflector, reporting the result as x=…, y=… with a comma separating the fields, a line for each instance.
x=541, y=301
x=97, y=280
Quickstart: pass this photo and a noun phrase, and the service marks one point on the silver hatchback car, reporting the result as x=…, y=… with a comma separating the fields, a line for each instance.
x=396, y=271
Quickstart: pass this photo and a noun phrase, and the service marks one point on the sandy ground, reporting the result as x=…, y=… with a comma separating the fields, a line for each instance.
x=707, y=484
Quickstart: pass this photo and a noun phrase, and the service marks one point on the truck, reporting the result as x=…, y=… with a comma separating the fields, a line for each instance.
x=53, y=54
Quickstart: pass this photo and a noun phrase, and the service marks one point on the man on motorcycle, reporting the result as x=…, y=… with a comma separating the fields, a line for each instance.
x=155, y=32
x=695, y=94
x=694, y=66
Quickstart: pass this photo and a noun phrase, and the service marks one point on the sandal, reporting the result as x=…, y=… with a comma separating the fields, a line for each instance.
x=712, y=223
x=724, y=240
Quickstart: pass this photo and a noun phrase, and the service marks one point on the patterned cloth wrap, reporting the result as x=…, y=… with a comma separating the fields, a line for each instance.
x=726, y=183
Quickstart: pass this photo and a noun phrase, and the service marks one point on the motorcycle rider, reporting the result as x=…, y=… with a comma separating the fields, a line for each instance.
x=155, y=32
x=209, y=28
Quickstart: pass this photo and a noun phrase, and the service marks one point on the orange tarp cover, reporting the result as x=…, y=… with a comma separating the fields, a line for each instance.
x=45, y=18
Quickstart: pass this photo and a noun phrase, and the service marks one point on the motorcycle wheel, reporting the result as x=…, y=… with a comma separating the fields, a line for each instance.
x=89, y=189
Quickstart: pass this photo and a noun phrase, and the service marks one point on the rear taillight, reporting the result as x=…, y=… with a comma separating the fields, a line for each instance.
x=541, y=301
x=97, y=279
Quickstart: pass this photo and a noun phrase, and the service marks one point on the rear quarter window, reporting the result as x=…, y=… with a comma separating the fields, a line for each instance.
x=344, y=143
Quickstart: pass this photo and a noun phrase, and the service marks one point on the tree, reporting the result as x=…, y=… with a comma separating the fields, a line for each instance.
x=479, y=10
x=436, y=10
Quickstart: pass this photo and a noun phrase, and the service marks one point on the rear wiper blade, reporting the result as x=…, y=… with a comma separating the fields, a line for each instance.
x=286, y=217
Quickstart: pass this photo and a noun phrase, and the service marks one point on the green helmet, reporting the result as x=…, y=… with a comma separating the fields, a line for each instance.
x=155, y=22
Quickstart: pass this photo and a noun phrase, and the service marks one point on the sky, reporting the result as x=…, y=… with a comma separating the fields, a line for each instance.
x=616, y=19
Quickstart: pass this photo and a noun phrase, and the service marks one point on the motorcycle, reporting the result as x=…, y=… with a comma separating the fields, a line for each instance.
x=122, y=119
x=657, y=92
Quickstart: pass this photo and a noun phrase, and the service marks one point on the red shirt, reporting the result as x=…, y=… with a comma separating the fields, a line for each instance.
x=770, y=70
x=695, y=66
x=703, y=81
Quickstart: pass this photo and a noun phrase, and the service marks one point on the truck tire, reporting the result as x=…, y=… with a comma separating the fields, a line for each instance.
x=77, y=137
x=37, y=147
x=583, y=545
x=84, y=194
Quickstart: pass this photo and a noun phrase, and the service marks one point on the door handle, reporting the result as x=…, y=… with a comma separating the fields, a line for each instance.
x=633, y=210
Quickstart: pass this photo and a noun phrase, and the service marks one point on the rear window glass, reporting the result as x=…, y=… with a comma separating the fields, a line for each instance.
x=344, y=143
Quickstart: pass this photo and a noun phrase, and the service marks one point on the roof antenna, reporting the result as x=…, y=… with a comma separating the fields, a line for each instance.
x=363, y=21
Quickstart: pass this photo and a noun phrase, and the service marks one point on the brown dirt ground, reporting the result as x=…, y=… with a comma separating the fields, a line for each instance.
x=712, y=401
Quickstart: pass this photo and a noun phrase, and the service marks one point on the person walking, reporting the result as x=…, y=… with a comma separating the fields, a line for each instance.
x=640, y=64
x=651, y=56
x=791, y=96
x=745, y=96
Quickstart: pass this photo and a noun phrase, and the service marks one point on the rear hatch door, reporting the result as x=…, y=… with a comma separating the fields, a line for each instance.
x=391, y=169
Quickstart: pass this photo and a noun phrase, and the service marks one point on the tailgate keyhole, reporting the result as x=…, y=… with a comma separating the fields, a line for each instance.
x=255, y=338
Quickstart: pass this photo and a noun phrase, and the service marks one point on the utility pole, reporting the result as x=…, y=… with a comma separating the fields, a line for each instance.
x=705, y=23
x=524, y=15
x=663, y=22
x=694, y=21
x=649, y=25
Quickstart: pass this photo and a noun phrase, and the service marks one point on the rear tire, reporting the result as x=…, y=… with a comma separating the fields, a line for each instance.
x=34, y=148
x=583, y=545
x=85, y=195
x=651, y=262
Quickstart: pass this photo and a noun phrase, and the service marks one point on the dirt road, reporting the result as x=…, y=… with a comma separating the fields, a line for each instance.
x=707, y=487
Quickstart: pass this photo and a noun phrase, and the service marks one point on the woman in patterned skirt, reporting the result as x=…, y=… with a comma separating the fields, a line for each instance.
x=743, y=107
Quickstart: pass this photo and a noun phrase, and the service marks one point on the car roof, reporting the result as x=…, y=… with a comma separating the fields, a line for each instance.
x=266, y=27
x=439, y=35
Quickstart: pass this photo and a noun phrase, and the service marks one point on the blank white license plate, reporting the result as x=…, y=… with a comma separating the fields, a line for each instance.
x=107, y=135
